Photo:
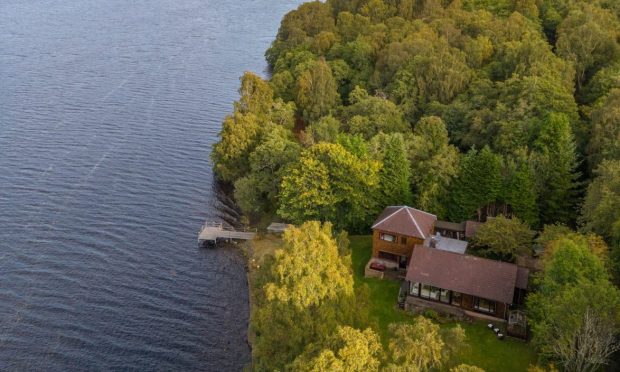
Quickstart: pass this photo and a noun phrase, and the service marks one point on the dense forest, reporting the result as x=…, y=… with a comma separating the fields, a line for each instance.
x=462, y=108
x=465, y=109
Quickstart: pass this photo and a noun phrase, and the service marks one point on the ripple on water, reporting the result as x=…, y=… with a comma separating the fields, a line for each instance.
x=109, y=112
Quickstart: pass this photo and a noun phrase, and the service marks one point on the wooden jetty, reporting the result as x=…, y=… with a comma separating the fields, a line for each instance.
x=211, y=232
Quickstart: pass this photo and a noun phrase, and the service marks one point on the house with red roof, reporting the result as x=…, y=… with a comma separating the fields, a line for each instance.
x=397, y=230
x=464, y=284
x=439, y=273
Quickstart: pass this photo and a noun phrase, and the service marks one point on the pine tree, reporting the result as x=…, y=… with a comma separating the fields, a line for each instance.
x=395, y=173
x=556, y=162
x=519, y=192
x=477, y=186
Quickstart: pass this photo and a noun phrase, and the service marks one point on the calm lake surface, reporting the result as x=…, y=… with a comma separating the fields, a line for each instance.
x=108, y=110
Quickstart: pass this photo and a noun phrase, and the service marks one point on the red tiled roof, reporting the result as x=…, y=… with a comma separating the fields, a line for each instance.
x=406, y=221
x=481, y=277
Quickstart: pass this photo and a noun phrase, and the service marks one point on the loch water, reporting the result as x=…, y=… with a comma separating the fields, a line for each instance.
x=108, y=113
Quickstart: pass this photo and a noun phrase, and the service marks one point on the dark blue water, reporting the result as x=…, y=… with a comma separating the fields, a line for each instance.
x=108, y=110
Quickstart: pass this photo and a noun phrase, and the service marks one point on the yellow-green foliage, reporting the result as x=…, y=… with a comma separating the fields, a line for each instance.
x=347, y=350
x=308, y=269
x=422, y=345
x=329, y=183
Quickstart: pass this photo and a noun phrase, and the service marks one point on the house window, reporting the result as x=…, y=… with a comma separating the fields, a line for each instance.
x=457, y=299
x=444, y=295
x=434, y=293
x=482, y=304
x=387, y=237
x=415, y=289
x=425, y=291
x=403, y=240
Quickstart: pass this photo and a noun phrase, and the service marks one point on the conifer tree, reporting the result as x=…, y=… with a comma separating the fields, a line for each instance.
x=519, y=192
x=477, y=185
x=394, y=174
x=556, y=162
x=601, y=207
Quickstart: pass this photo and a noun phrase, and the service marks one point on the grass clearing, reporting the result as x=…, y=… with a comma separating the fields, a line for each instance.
x=483, y=350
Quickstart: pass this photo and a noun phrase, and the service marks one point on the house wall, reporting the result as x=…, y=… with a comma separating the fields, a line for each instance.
x=467, y=305
x=395, y=247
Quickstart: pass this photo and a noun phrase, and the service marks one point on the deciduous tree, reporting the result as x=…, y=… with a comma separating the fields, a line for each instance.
x=239, y=136
x=308, y=269
x=330, y=184
x=466, y=368
x=257, y=192
x=308, y=293
x=348, y=349
x=505, y=237
x=368, y=115
x=324, y=130
x=605, y=140
x=588, y=38
x=317, y=91
x=255, y=113
x=421, y=345
x=576, y=312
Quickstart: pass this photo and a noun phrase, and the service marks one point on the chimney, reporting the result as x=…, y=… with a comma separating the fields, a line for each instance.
x=434, y=240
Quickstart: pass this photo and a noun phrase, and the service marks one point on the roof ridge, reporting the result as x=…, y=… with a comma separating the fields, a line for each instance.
x=473, y=275
x=470, y=255
x=416, y=224
x=389, y=216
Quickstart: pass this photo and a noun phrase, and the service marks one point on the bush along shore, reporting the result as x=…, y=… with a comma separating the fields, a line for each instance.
x=501, y=111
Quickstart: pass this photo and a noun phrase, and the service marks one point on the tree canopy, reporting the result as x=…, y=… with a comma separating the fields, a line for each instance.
x=305, y=292
x=348, y=349
x=534, y=83
x=504, y=237
x=575, y=313
x=475, y=109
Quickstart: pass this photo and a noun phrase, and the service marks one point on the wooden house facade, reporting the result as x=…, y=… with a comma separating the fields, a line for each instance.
x=398, y=230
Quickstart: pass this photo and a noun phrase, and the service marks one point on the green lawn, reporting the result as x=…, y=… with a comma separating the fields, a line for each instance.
x=484, y=349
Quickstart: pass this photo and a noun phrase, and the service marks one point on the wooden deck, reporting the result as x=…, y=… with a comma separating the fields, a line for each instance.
x=213, y=231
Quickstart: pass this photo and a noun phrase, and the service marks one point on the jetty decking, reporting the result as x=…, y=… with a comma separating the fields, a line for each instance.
x=211, y=232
